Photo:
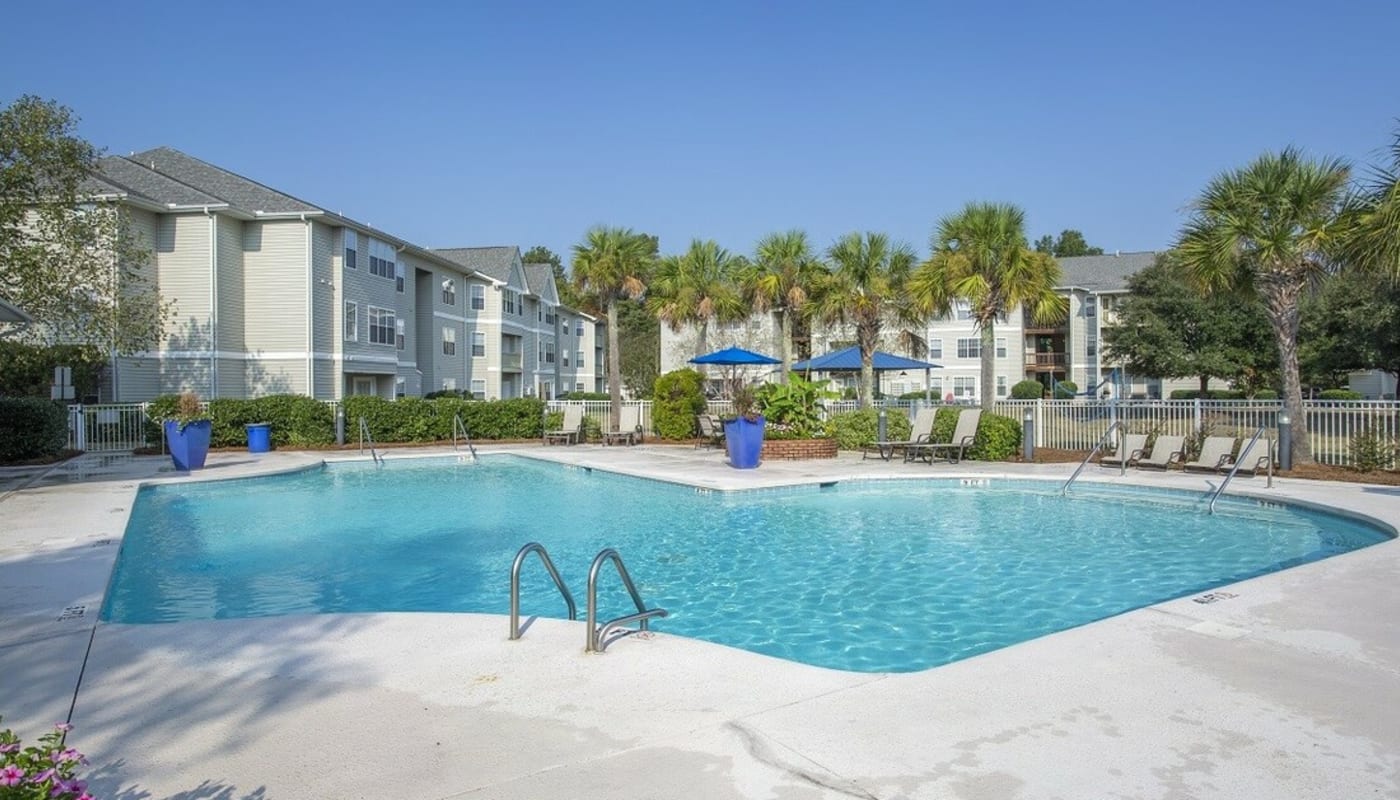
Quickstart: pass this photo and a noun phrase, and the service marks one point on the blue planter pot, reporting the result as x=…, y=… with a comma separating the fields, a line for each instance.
x=744, y=441
x=188, y=443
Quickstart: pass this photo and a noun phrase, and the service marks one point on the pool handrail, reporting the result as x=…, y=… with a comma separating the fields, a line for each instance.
x=459, y=425
x=535, y=547
x=1248, y=448
x=1122, y=463
x=597, y=641
x=366, y=437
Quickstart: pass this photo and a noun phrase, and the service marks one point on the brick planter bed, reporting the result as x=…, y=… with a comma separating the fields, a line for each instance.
x=798, y=449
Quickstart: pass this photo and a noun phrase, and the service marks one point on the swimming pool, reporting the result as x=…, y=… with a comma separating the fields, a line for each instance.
x=861, y=575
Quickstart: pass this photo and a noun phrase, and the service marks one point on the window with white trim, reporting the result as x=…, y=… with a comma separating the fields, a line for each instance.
x=935, y=348
x=549, y=316
x=935, y=387
x=898, y=388
x=578, y=387
x=449, y=340
x=478, y=297
x=381, y=267
x=511, y=302
x=1001, y=386
x=578, y=328
x=352, y=244
x=449, y=292
x=399, y=336
x=1001, y=348
x=478, y=344
x=1091, y=345
x=549, y=351
x=964, y=388
x=1091, y=306
x=352, y=321
x=398, y=278
x=400, y=387
x=564, y=358
x=563, y=326
x=969, y=348
x=578, y=359
x=381, y=325
x=962, y=310
x=478, y=389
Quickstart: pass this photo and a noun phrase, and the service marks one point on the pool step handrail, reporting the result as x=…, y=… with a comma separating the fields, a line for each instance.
x=365, y=437
x=458, y=426
x=534, y=547
x=1122, y=462
x=597, y=634
x=1235, y=467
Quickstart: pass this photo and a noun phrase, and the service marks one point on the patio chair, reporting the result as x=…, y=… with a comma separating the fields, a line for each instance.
x=1165, y=452
x=964, y=435
x=711, y=432
x=571, y=430
x=629, y=422
x=1215, y=454
x=1131, y=446
x=1252, y=458
x=920, y=432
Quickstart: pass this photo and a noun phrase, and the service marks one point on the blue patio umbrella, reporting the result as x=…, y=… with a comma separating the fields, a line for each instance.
x=848, y=360
x=735, y=357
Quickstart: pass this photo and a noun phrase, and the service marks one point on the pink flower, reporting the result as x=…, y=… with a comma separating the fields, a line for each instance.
x=64, y=787
x=68, y=755
x=9, y=748
x=11, y=776
x=46, y=775
x=62, y=726
x=86, y=796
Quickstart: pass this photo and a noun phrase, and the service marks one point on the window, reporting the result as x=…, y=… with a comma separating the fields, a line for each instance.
x=449, y=341
x=1091, y=306
x=935, y=348
x=969, y=348
x=563, y=326
x=1001, y=348
x=1001, y=386
x=478, y=297
x=564, y=356
x=399, y=333
x=398, y=278
x=478, y=344
x=1091, y=346
x=935, y=387
x=897, y=388
x=962, y=310
x=549, y=316
x=352, y=242
x=511, y=300
x=400, y=388
x=549, y=352
x=578, y=328
x=449, y=384
x=382, y=267
x=449, y=292
x=478, y=389
x=578, y=387
x=578, y=360
x=964, y=388
x=352, y=321
x=382, y=327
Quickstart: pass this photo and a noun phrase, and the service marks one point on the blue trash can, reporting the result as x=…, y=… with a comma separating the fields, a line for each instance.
x=259, y=437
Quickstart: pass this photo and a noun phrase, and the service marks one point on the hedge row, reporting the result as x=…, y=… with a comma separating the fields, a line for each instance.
x=26, y=370
x=1223, y=394
x=998, y=437
x=31, y=428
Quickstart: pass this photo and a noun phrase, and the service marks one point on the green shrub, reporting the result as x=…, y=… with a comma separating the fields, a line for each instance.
x=677, y=397
x=585, y=396
x=998, y=438
x=26, y=370
x=1265, y=394
x=1339, y=394
x=412, y=419
x=1370, y=451
x=592, y=429
x=1028, y=390
x=793, y=409
x=31, y=427
x=853, y=430
x=1064, y=390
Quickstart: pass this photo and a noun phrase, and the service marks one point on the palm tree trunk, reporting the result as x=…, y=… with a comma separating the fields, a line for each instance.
x=989, y=365
x=1281, y=306
x=614, y=369
x=785, y=332
x=868, y=340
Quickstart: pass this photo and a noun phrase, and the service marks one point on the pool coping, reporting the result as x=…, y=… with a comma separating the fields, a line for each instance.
x=765, y=740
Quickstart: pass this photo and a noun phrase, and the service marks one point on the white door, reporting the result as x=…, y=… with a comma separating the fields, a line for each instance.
x=362, y=386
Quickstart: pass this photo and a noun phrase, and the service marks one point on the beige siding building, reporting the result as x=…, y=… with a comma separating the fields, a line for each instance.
x=274, y=295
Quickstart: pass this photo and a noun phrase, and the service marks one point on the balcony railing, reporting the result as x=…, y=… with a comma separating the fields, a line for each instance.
x=1029, y=323
x=1046, y=359
x=510, y=361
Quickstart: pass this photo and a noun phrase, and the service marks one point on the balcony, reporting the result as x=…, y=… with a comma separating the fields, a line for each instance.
x=1046, y=361
x=510, y=362
x=1031, y=326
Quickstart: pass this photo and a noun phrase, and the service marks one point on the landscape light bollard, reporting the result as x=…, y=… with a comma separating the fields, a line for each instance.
x=1028, y=438
x=339, y=425
x=1285, y=442
x=881, y=426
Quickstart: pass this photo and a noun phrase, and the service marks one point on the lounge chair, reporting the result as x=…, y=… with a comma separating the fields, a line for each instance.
x=711, y=432
x=1215, y=454
x=629, y=424
x=570, y=431
x=1131, y=446
x=920, y=432
x=1165, y=452
x=1252, y=458
x=964, y=435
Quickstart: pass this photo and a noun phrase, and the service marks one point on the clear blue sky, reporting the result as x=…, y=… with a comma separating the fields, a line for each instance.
x=525, y=123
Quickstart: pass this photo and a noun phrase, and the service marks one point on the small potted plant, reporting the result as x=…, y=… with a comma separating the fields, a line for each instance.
x=743, y=435
x=187, y=433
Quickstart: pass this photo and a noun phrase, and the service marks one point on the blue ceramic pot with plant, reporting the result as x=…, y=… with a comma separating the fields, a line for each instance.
x=187, y=434
x=743, y=435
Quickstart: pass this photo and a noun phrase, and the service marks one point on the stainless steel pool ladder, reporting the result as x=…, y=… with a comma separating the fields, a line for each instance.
x=534, y=547
x=1249, y=448
x=598, y=634
x=1122, y=462
x=461, y=427
x=365, y=437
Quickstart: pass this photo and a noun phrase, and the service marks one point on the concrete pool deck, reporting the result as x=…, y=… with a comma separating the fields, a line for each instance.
x=1286, y=685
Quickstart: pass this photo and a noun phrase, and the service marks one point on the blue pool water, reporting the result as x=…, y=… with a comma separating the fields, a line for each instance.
x=868, y=576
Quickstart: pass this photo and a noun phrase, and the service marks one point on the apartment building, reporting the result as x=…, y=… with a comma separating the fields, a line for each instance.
x=273, y=294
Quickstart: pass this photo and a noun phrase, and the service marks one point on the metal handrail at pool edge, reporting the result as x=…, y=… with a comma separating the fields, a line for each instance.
x=597, y=634
x=534, y=547
x=1122, y=462
x=1249, y=448
x=365, y=437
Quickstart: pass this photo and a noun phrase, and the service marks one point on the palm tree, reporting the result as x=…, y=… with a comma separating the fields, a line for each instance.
x=981, y=255
x=1269, y=228
x=865, y=288
x=612, y=265
x=696, y=288
x=780, y=279
x=1372, y=233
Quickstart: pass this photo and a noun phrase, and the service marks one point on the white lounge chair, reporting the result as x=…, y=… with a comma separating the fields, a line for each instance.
x=1215, y=454
x=1252, y=458
x=1166, y=450
x=570, y=431
x=628, y=424
x=711, y=432
x=920, y=432
x=964, y=435
x=1131, y=446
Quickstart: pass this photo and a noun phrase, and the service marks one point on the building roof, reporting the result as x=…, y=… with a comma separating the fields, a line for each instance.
x=493, y=261
x=230, y=187
x=122, y=175
x=1106, y=273
x=539, y=280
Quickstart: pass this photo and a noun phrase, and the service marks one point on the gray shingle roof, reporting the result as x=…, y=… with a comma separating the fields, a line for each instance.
x=540, y=280
x=134, y=179
x=493, y=261
x=1106, y=273
x=230, y=187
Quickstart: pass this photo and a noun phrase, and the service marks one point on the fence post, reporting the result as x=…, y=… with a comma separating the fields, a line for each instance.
x=1040, y=422
x=1196, y=416
x=1028, y=437
x=75, y=413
